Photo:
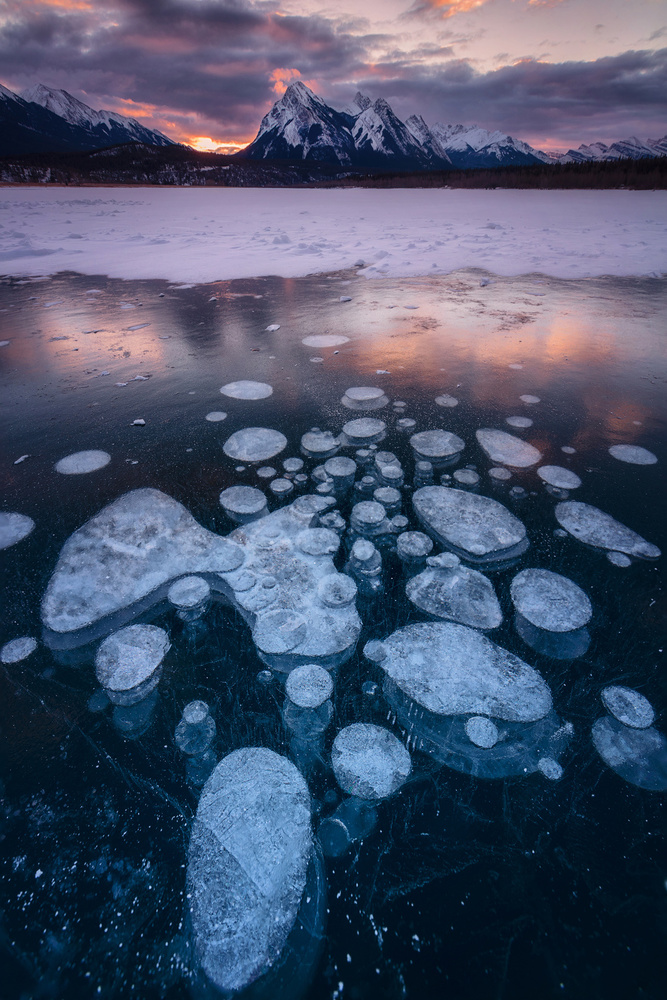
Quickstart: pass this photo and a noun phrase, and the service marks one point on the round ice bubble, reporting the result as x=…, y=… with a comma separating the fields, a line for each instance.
x=309, y=686
x=81, y=462
x=14, y=528
x=17, y=650
x=368, y=761
x=246, y=389
x=628, y=706
x=633, y=454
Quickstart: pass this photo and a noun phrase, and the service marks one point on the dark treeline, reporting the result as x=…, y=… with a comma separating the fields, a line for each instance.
x=135, y=163
x=640, y=175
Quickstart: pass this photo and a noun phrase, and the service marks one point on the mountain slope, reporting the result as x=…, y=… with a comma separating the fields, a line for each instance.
x=107, y=126
x=43, y=120
x=472, y=146
x=29, y=128
x=300, y=126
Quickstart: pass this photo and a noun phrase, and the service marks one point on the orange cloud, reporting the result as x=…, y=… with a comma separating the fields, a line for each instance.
x=447, y=8
x=205, y=144
x=281, y=79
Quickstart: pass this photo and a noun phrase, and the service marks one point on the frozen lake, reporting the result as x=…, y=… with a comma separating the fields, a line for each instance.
x=195, y=234
x=509, y=839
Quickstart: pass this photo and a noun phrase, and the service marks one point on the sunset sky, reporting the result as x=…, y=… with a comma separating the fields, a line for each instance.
x=553, y=72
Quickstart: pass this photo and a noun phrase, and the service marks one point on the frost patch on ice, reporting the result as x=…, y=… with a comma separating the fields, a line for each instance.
x=453, y=592
x=454, y=670
x=245, y=389
x=476, y=527
x=633, y=454
x=18, y=649
x=593, y=527
x=325, y=340
x=369, y=761
x=506, y=449
x=628, y=706
x=550, y=601
x=556, y=475
x=247, y=862
x=254, y=444
x=14, y=528
x=82, y=462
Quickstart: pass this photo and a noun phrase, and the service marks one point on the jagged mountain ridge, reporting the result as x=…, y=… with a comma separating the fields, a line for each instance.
x=624, y=149
x=367, y=134
x=43, y=120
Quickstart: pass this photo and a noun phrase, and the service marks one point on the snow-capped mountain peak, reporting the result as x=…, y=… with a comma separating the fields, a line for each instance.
x=107, y=125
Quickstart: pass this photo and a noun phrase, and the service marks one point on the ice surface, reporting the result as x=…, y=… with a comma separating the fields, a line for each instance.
x=246, y=389
x=247, y=862
x=215, y=416
x=369, y=761
x=126, y=554
x=127, y=663
x=447, y=400
x=521, y=423
x=448, y=590
x=633, y=454
x=639, y=756
x=254, y=444
x=476, y=527
x=550, y=601
x=506, y=449
x=203, y=234
x=309, y=686
x=628, y=706
x=353, y=820
x=364, y=398
x=325, y=340
x=364, y=430
x=81, y=462
x=243, y=503
x=556, y=475
x=14, y=528
x=454, y=670
x=433, y=446
x=590, y=525
x=18, y=649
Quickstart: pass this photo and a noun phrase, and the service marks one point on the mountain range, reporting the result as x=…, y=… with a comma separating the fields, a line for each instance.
x=45, y=120
x=366, y=135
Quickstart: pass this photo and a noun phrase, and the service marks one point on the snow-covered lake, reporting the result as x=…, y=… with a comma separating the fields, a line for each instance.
x=201, y=235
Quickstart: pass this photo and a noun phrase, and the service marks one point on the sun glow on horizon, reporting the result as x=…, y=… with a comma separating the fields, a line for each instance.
x=205, y=144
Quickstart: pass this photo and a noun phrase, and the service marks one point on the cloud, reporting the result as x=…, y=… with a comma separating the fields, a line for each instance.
x=212, y=68
x=445, y=8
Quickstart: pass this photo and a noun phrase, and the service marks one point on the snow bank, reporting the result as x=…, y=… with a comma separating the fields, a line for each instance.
x=200, y=235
